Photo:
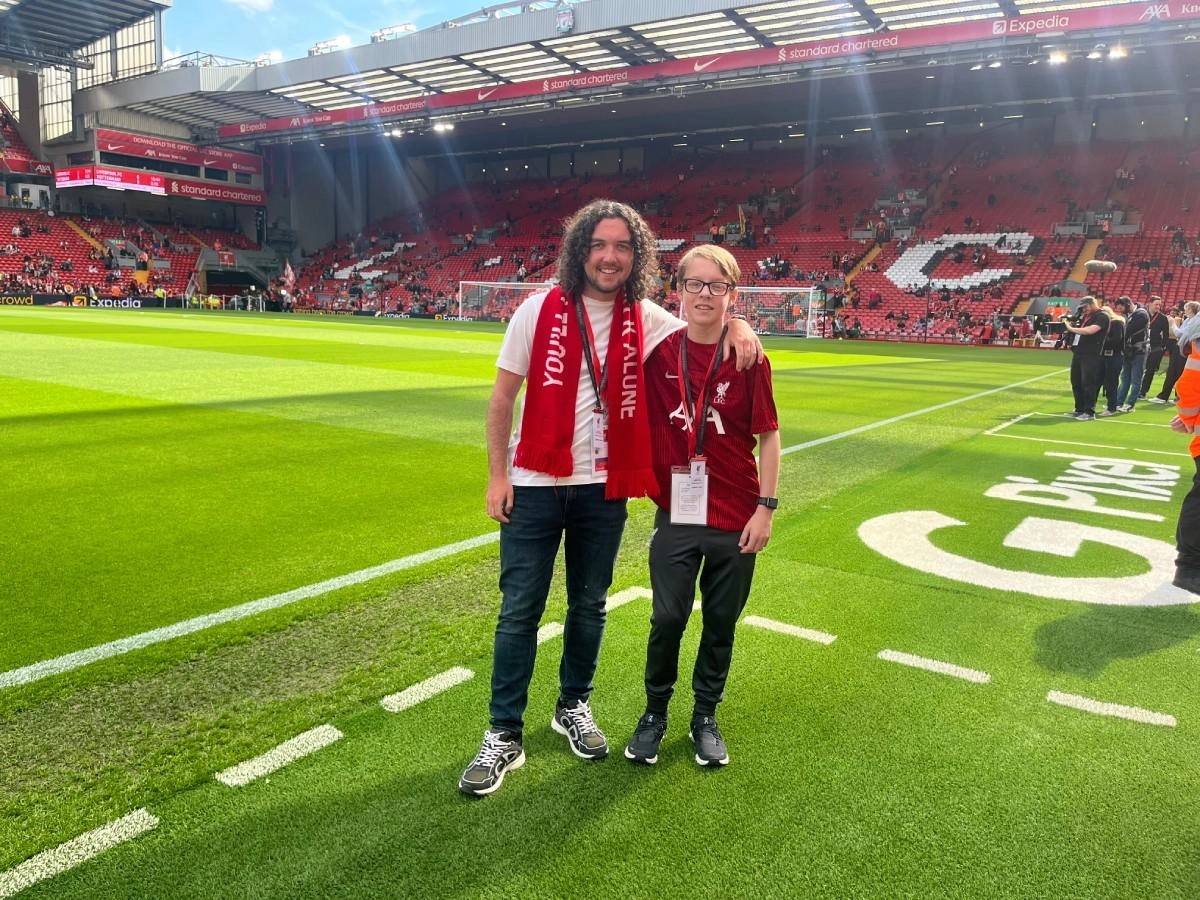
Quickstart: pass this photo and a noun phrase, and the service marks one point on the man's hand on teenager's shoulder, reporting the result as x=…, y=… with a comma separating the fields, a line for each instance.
x=499, y=498
x=744, y=344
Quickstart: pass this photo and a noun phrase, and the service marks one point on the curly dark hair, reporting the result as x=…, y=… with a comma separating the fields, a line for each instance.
x=577, y=240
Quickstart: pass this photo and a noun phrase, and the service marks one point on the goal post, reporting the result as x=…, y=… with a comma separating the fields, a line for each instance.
x=793, y=311
x=494, y=301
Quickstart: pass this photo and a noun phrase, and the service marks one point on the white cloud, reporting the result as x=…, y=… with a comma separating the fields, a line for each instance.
x=257, y=6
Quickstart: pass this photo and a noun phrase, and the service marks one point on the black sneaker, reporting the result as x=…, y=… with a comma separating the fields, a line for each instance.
x=643, y=746
x=710, y=747
x=586, y=739
x=500, y=753
x=1188, y=579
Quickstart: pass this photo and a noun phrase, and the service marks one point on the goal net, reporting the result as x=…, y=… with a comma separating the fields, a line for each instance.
x=795, y=311
x=494, y=301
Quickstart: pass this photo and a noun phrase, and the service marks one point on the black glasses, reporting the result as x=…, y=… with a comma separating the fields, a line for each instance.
x=715, y=288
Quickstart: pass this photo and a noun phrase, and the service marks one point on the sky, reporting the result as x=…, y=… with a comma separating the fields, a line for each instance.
x=244, y=29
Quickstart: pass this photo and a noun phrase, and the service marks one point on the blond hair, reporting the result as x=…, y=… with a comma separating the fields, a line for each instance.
x=718, y=256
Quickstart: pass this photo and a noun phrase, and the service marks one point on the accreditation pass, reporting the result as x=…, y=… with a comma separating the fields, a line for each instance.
x=689, y=494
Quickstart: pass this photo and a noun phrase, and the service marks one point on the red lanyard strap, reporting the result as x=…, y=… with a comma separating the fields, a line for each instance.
x=702, y=400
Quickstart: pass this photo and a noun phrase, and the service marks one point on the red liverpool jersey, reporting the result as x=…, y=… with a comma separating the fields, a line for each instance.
x=742, y=406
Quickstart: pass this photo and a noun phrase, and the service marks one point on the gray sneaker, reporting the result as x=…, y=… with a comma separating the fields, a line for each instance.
x=643, y=746
x=586, y=739
x=501, y=752
x=710, y=746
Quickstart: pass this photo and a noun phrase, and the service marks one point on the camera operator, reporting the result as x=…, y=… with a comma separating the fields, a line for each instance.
x=1088, y=329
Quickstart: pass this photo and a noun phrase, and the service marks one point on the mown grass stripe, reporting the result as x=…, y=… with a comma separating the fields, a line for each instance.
x=1100, y=708
x=423, y=690
x=829, y=438
x=69, y=661
x=935, y=665
x=289, y=751
x=78, y=850
x=808, y=634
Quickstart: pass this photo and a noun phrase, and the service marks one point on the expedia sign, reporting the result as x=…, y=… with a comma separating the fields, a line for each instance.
x=114, y=303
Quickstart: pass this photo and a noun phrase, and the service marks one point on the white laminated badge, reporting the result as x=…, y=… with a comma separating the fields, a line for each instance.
x=689, y=494
x=599, y=441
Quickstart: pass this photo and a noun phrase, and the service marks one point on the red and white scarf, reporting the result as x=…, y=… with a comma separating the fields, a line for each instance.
x=552, y=386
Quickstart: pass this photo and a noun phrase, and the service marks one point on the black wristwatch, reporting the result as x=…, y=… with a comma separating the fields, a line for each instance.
x=769, y=502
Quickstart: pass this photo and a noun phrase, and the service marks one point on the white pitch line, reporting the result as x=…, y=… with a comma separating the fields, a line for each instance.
x=1021, y=437
x=808, y=634
x=78, y=850
x=288, y=752
x=1004, y=425
x=1133, y=713
x=816, y=442
x=79, y=658
x=549, y=632
x=423, y=690
x=626, y=596
x=935, y=665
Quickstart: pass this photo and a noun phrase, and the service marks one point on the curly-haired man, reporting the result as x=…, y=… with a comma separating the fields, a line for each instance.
x=581, y=448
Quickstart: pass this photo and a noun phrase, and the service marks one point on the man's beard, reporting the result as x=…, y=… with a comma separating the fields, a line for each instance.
x=591, y=282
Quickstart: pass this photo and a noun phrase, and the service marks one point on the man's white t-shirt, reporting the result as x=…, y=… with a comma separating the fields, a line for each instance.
x=657, y=324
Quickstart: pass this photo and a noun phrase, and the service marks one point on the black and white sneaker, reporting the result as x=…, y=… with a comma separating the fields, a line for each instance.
x=643, y=746
x=586, y=739
x=710, y=746
x=501, y=752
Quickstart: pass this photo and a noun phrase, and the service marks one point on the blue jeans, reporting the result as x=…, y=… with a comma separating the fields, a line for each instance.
x=528, y=546
x=1131, y=379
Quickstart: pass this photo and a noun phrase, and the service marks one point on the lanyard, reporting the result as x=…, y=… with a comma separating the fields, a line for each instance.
x=590, y=354
x=696, y=430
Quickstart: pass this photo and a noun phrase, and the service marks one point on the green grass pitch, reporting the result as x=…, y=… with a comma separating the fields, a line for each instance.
x=157, y=467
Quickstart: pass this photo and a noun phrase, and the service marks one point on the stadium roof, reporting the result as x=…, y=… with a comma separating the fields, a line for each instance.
x=503, y=45
x=47, y=32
